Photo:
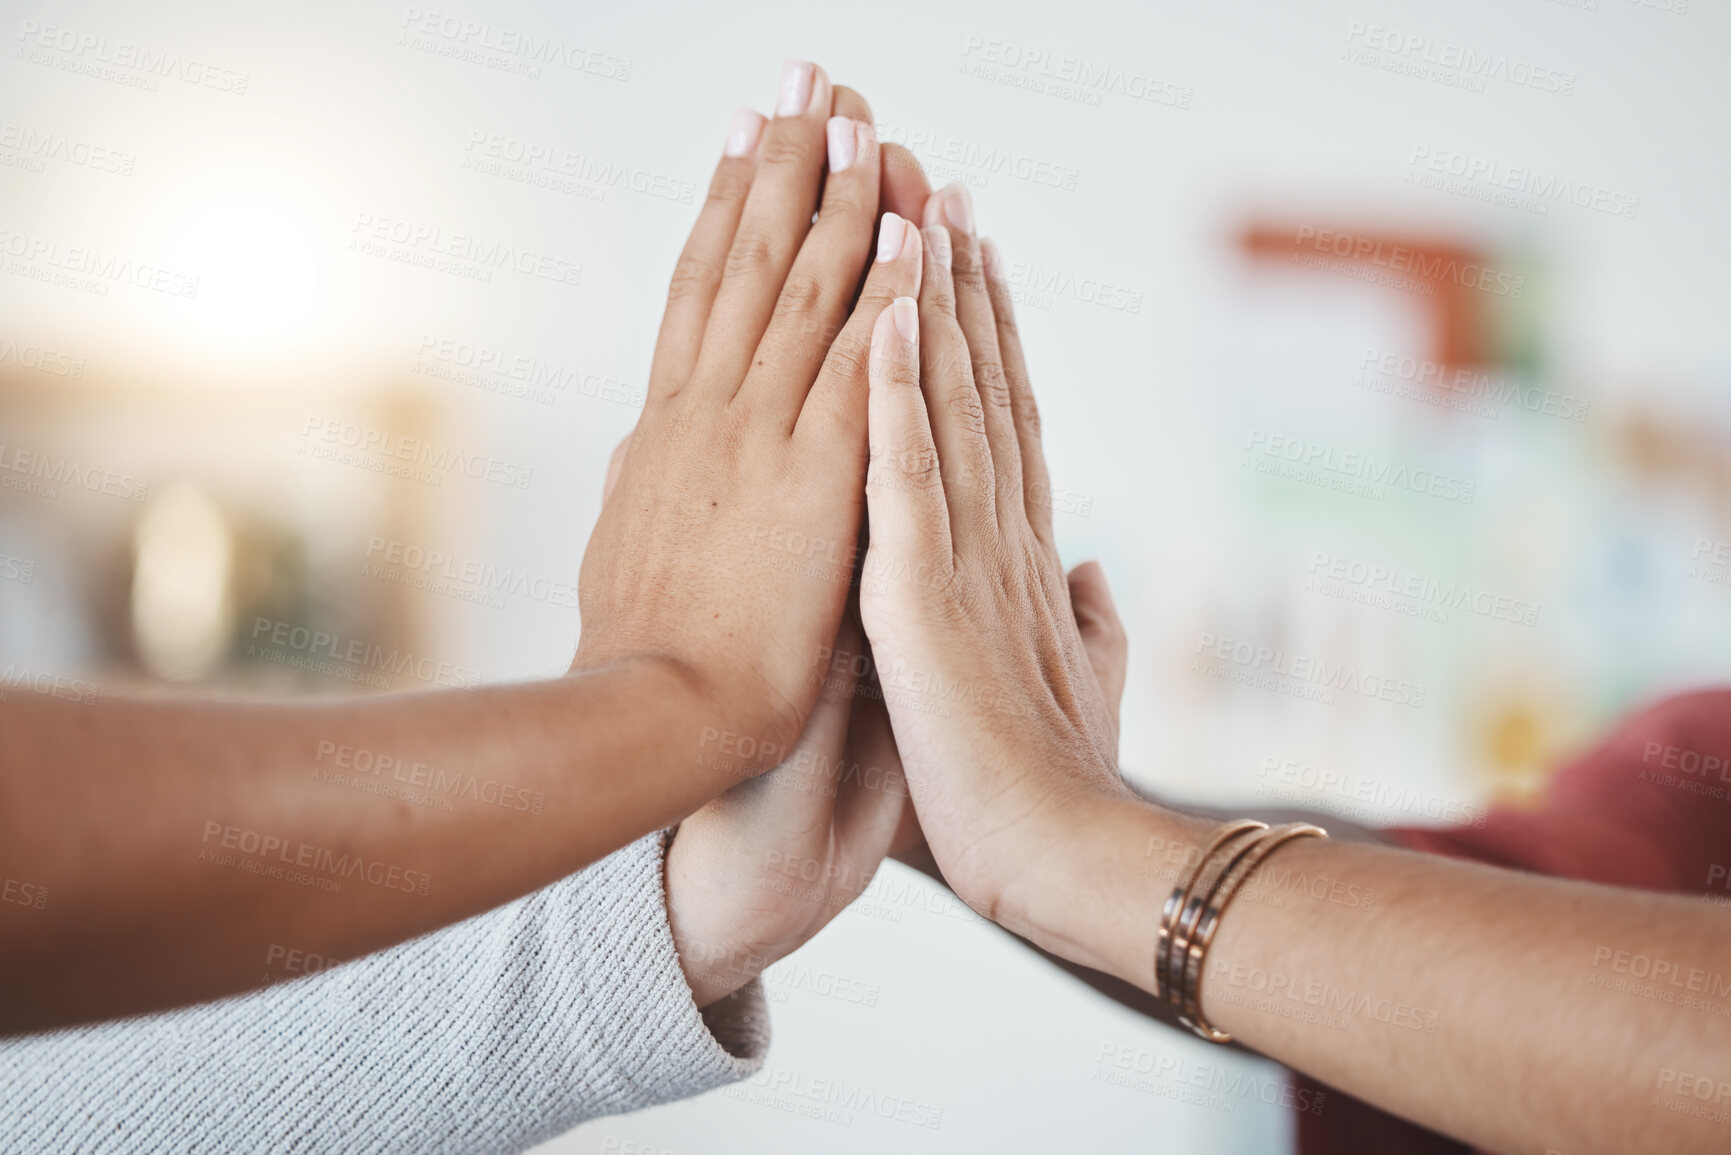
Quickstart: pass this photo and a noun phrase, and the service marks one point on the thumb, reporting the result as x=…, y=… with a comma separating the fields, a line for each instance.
x=1102, y=633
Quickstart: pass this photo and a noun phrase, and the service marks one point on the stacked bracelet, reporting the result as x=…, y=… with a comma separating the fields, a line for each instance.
x=1191, y=916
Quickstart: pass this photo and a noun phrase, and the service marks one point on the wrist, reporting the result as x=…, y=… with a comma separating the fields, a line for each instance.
x=1095, y=898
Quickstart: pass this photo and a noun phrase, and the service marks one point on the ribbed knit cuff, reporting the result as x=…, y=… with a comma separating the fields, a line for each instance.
x=657, y=1040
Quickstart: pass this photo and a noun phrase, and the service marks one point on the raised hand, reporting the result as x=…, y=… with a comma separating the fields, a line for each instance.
x=1004, y=727
x=752, y=433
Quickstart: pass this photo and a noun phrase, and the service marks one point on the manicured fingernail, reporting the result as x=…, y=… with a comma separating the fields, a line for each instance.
x=938, y=238
x=992, y=259
x=795, y=88
x=907, y=318
x=843, y=143
x=890, y=234
x=959, y=208
x=934, y=214
x=743, y=133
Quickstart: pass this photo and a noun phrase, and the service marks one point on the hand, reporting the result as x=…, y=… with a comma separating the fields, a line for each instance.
x=747, y=465
x=1001, y=717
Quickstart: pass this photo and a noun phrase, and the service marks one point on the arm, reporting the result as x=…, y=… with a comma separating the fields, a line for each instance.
x=1484, y=1003
x=179, y=839
x=494, y=1034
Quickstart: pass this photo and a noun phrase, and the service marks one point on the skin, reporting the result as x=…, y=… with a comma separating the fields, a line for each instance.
x=136, y=815
x=1467, y=998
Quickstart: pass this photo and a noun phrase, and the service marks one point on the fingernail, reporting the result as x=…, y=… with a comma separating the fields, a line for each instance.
x=959, y=208
x=890, y=234
x=938, y=238
x=992, y=259
x=907, y=318
x=843, y=143
x=934, y=214
x=795, y=88
x=743, y=133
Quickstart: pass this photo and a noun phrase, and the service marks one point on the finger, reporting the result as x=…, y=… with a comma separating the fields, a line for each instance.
x=957, y=418
x=954, y=208
x=904, y=185
x=772, y=225
x=697, y=276
x=1036, y=483
x=1102, y=633
x=832, y=424
x=615, y=466
x=868, y=814
x=904, y=487
x=821, y=285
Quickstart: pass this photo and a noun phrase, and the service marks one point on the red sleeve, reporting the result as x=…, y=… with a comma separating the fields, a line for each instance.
x=1649, y=808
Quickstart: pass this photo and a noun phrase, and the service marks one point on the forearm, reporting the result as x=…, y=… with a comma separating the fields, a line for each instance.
x=178, y=840
x=493, y=1034
x=1439, y=990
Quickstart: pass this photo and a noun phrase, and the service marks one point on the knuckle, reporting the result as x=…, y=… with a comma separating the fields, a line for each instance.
x=942, y=298
x=751, y=253
x=692, y=277
x=785, y=148
x=902, y=375
x=968, y=276
x=840, y=202
x=801, y=293
x=962, y=403
x=994, y=387
x=850, y=356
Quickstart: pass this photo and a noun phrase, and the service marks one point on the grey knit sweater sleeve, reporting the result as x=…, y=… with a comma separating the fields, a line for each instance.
x=491, y=1035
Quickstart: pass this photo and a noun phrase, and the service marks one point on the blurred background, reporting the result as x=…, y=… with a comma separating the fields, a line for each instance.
x=1385, y=338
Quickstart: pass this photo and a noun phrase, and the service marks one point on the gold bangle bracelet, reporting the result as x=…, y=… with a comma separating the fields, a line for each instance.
x=1166, y=942
x=1202, y=937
